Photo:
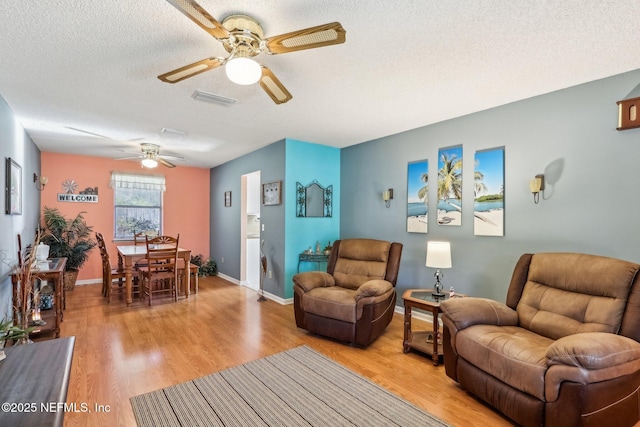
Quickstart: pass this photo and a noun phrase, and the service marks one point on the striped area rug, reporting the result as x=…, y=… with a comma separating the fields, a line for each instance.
x=298, y=387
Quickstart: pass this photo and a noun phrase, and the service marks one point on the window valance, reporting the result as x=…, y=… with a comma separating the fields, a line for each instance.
x=137, y=181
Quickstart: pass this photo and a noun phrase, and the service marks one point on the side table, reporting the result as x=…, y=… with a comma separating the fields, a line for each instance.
x=317, y=258
x=424, y=300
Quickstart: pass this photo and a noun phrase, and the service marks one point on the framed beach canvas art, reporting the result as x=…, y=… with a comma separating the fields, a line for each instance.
x=488, y=206
x=417, y=196
x=449, y=210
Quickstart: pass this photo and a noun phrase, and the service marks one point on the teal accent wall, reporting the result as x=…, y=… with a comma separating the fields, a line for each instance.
x=306, y=162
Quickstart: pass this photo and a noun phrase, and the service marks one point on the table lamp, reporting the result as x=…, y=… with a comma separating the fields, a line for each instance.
x=438, y=256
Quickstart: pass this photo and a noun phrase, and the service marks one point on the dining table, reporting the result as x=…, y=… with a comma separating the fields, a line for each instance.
x=128, y=255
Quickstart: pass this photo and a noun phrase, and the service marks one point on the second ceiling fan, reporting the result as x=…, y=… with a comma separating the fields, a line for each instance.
x=243, y=38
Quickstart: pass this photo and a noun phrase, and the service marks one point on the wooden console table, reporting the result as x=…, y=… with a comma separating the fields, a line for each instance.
x=317, y=258
x=35, y=380
x=53, y=270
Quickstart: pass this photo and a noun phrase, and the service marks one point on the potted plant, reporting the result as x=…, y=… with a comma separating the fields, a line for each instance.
x=207, y=267
x=69, y=238
x=9, y=331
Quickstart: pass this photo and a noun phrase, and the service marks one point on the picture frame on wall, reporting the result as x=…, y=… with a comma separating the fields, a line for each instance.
x=272, y=193
x=227, y=199
x=449, y=208
x=488, y=210
x=13, y=188
x=417, y=196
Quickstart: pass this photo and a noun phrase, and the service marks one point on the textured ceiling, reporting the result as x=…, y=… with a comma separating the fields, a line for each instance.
x=91, y=65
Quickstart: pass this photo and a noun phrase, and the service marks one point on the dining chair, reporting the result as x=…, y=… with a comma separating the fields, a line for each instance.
x=111, y=277
x=103, y=251
x=193, y=270
x=140, y=238
x=160, y=274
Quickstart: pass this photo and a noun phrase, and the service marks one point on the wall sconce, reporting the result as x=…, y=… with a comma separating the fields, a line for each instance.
x=536, y=185
x=40, y=181
x=387, y=195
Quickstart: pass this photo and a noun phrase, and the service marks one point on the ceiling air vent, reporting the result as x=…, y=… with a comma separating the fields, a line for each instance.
x=213, y=98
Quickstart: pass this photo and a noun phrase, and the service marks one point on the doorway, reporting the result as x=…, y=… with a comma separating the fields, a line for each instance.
x=250, y=231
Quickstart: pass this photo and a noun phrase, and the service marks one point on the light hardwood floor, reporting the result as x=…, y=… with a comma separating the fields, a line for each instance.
x=124, y=351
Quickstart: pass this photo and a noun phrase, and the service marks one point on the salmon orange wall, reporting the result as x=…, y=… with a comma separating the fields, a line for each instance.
x=185, y=202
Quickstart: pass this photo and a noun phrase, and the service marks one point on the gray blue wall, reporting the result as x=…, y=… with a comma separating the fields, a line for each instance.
x=15, y=143
x=591, y=203
x=225, y=221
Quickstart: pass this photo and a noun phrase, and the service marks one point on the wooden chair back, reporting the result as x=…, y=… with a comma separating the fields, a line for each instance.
x=162, y=264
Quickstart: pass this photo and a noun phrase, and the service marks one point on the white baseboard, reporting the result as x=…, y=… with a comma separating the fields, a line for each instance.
x=427, y=317
x=267, y=295
x=229, y=279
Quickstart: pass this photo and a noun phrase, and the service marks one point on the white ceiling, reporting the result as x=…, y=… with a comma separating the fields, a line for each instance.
x=92, y=65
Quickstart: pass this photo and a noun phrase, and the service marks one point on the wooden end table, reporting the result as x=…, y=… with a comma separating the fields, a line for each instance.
x=424, y=300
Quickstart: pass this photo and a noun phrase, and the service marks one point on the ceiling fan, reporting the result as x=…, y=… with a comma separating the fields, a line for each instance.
x=151, y=156
x=242, y=36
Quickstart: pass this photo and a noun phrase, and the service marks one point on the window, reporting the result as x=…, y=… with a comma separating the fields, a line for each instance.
x=137, y=203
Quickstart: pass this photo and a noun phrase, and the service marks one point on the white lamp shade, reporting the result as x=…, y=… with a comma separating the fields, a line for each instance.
x=149, y=162
x=439, y=254
x=243, y=71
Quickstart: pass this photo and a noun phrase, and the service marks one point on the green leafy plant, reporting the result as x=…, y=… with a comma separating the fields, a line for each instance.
x=67, y=237
x=130, y=226
x=11, y=332
x=208, y=267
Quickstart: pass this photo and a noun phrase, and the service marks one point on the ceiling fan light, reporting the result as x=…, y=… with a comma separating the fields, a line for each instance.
x=149, y=162
x=243, y=71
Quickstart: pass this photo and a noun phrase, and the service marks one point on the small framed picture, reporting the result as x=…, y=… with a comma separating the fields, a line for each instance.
x=13, y=188
x=271, y=193
x=227, y=199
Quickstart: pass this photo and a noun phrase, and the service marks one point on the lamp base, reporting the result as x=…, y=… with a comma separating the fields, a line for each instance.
x=437, y=294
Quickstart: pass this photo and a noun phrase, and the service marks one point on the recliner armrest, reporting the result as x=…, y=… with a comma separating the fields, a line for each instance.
x=593, y=350
x=469, y=311
x=313, y=279
x=373, y=288
x=587, y=358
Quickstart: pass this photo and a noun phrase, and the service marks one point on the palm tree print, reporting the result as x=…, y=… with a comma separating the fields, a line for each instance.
x=450, y=177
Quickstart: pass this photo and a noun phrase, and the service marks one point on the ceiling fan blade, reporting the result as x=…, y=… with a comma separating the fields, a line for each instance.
x=310, y=38
x=190, y=70
x=174, y=158
x=273, y=87
x=129, y=158
x=166, y=162
x=201, y=17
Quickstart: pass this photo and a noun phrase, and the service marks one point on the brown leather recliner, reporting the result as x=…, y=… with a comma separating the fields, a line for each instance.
x=564, y=349
x=355, y=299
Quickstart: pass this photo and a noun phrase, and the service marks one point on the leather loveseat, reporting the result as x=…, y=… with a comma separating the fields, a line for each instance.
x=562, y=351
x=355, y=299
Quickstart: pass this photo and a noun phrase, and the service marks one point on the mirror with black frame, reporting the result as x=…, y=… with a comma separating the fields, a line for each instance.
x=314, y=200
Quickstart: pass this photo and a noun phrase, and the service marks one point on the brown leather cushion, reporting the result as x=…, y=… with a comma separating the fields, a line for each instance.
x=569, y=293
x=514, y=355
x=333, y=302
x=361, y=260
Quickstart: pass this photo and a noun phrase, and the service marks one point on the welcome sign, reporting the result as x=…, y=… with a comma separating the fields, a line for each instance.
x=71, y=193
x=78, y=198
